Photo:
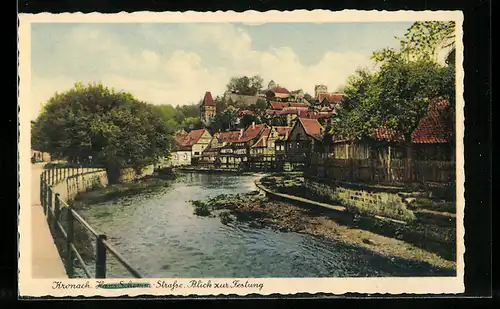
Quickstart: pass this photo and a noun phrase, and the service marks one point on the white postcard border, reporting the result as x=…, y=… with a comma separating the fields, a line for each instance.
x=31, y=287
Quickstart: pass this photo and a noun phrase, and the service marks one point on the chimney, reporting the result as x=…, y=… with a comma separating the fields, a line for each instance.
x=241, y=133
x=253, y=125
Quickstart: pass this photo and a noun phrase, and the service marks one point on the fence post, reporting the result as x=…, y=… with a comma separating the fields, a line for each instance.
x=44, y=197
x=41, y=189
x=52, y=176
x=57, y=211
x=69, y=241
x=100, y=262
x=49, y=204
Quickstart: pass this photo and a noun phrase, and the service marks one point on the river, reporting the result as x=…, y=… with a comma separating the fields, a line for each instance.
x=161, y=237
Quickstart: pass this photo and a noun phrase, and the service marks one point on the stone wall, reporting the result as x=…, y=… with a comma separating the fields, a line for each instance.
x=129, y=174
x=74, y=184
x=386, y=203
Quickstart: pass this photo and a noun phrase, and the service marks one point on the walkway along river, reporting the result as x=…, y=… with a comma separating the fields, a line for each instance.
x=161, y=237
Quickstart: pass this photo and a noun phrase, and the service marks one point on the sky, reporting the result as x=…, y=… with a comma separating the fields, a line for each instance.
x=175, y=64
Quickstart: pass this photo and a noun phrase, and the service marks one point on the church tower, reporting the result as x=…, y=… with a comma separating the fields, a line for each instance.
x=207, y=108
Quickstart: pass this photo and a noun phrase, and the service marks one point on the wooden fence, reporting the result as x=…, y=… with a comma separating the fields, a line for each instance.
x=353, y=170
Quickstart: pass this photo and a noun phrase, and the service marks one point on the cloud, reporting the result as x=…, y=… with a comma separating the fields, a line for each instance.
x=183, y=74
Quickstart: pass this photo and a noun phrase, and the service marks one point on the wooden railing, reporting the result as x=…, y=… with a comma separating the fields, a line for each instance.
x=53, y=204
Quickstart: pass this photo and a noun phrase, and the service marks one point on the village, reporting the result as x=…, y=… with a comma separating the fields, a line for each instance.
x=305, y=140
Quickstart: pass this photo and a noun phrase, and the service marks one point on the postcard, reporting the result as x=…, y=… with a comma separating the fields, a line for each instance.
x=252, y=153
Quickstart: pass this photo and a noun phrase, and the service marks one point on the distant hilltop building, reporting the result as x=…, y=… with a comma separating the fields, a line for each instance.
x=319, y=89
x=207, y=108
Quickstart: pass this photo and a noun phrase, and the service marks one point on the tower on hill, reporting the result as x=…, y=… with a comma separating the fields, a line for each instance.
x=319, y=89
x=207, y=108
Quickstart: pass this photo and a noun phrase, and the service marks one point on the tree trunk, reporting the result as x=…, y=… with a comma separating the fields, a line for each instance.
x=113, y=173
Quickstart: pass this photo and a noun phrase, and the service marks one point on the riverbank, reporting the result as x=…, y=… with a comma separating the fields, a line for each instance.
x=145, y=185
x=380, y=237
x=83, y=240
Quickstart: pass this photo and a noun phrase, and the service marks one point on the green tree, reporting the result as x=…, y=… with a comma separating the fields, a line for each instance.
x=167, y=115
x=220, y=104
x=261, y=104
x=245, y=85
x=191, y=123
x=248, y=119
x=225, y=121
x=397, y=97
x=96, y=124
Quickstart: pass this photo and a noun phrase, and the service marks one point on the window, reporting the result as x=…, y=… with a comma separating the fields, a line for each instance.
x=196, y=153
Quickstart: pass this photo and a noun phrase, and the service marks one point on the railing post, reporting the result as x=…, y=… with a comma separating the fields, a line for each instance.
x=100, y=262
x=49, y=204
x=69, y=241
x=52, y=176
x=44, y=197
x=41, y=189
x=57, y=211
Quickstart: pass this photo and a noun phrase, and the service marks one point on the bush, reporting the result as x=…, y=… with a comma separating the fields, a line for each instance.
x=201, y=208
x=225, y=217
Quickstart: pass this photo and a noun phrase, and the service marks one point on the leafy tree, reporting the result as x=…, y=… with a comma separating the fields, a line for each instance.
x=220, y=104
x=95, y=124
x=190, y=110
x=248, y=119
x=360, y=111
x=191, y=123
x=245, y=85
x=167, y=114
x=397, y=97
x=224, y=121
x=261, y=104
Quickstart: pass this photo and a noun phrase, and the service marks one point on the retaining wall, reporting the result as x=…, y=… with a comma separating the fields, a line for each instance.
x=73, y=184
x=388, y=203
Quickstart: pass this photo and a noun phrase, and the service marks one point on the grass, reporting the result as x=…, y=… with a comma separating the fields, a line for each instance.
x=435, y=205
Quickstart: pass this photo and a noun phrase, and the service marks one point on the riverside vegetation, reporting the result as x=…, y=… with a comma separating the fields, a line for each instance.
x=429, y=238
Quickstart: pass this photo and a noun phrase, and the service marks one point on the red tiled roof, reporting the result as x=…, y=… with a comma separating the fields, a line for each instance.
x=278, y=105
x=283, y=130
x=312, y=127
x=314, y=115
x=430, y=128
x=281, y=105
x=280, y=90
x=334, y=98
x=281, y=112
x=262, y=142
x=193, y=137
x=297, y=104
x=251, y=132
x=228, y=136
x=208, y=100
